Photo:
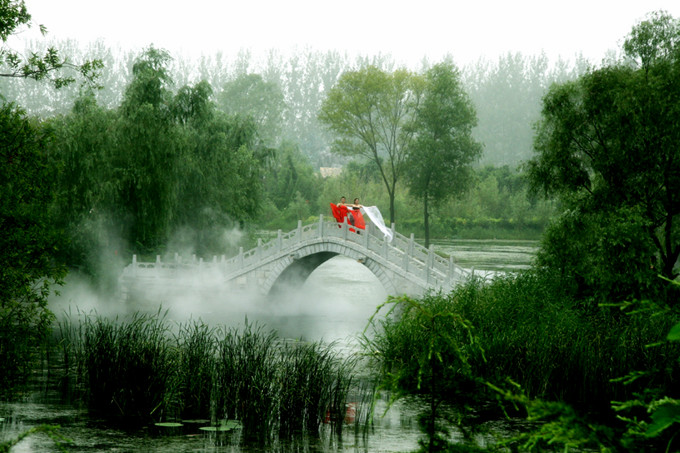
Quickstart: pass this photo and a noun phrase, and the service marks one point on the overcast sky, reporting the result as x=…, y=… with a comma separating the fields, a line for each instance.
x=408, y=31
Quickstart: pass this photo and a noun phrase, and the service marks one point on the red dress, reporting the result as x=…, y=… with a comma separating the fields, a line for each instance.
x=354, y=216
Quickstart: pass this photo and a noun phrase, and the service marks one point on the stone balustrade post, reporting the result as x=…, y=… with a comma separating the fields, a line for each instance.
x=451, y=271
x=279, y=241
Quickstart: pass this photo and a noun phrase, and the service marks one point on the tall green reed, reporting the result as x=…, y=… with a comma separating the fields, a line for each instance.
x=540, y=338
x=143, y=370
x=126, y=369
x=245, y=375
x=196, y=345
x=315, y=386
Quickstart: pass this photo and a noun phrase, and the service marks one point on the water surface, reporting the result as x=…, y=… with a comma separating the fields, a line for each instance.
x=333, y=305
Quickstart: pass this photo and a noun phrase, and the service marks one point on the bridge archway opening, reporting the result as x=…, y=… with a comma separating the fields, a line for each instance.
x=336, y=273
x=298, y=272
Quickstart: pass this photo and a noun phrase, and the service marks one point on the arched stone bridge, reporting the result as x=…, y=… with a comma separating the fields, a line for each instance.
x=402, y=265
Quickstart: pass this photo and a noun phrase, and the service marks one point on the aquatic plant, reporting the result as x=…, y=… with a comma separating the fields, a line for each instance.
x=315, y=384
x=423, y=348
x=129, y=368
x=245, y=379
x=142, y=372
x=536, y=335
x=196, y=346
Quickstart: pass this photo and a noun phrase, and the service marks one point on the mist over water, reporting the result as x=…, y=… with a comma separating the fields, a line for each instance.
x=334, y=303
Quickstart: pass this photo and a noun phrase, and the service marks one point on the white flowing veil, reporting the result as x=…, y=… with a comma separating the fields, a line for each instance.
x=373, y=213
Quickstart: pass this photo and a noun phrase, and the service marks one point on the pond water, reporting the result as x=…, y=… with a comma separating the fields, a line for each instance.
x=333, y=305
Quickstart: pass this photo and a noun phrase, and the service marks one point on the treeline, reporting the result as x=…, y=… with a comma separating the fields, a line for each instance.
x=498, y=205
x=188, y=168
x=284, y=93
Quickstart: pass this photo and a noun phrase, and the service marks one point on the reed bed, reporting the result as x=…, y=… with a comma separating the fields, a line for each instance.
x=532, y=333
x=145, y=370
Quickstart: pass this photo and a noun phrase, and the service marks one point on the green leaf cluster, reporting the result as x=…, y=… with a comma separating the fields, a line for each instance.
x=607, y=147
x=28, y=244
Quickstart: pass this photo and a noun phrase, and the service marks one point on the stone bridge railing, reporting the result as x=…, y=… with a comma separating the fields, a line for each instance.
x=403, y=253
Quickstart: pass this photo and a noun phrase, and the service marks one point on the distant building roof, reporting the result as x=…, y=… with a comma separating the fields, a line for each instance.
x=330, y=171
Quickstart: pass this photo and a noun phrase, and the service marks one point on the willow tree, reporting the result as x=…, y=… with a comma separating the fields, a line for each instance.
x=371, y=112
x=219, y=180
x=443, y=150
x=147, y=153
x=607, y=146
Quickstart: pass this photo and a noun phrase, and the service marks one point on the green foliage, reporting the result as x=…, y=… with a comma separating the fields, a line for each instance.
x=127, y=369
x=601, y=255
x=606, y=148
x=555, y=425
x=440, y=159
x=161, y=168
x=535, y=333
x=28, y=243
x=196, y=345
x=653, y=414
x=423, y=347
x=650, y=417
x=220, y=182
x=371, y=112
x=249, y=95
x=80, y=148
x=146, y=159
x=560, y=368
x=13, y=16
x=292, y=187
x=139, y=371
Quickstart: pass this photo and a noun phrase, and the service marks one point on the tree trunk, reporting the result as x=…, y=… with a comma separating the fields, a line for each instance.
x=391, y=193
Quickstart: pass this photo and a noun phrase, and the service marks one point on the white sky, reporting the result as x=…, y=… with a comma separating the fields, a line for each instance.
x=408, y=31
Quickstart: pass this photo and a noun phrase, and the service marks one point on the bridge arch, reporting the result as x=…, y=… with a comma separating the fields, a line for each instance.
x=401, y=265
x=298, y=266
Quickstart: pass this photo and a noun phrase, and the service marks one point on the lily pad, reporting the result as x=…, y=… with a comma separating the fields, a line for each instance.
x=169, y=425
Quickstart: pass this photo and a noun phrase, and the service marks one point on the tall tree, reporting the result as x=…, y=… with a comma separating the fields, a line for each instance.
x=250, y=96
x=219, y=172
x=371, y=112
x=80, y=148
x=147, y=151
x=441, y=157
x=28, y=243
x=607, y=145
